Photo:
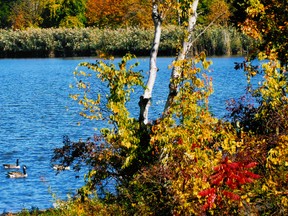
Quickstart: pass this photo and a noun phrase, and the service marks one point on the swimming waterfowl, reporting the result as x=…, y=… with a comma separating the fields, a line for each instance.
x=12, y=166
x=60, y=167
x=15, y=174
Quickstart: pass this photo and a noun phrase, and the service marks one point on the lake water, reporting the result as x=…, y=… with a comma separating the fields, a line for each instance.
x=36, y=112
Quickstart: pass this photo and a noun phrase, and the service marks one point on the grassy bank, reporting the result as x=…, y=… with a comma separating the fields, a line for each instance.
x=91, y=207
x=87, y=41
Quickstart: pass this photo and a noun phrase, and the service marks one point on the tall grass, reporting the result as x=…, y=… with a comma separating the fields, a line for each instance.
x=63, y=42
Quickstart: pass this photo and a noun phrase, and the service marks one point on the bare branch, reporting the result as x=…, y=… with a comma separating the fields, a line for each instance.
x=204, y=30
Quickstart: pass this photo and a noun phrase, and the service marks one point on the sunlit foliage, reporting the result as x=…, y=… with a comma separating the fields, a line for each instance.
x=262, y=125
x=170, y=165
x=266, y=21
x=262, y=120
x=87, y=41
x=118, y=13
x=187, y=162
x=64, y=13
x=101, y=13
x=26, y=13
x=218, y=13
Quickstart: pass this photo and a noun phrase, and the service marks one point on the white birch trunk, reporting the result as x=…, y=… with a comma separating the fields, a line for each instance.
x=186, y=46
x=145, y=99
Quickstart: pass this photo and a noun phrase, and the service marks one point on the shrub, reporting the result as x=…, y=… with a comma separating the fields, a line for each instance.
x=167, y=166
x=87, y=41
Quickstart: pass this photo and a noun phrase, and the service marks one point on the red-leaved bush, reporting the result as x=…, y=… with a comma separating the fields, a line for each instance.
x=227, y=174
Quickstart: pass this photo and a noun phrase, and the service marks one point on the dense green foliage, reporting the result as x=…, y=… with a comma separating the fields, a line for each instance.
x=87, y=41
x=4, y=13
x=63, y=13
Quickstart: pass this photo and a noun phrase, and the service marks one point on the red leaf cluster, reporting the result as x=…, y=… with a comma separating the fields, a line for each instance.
x=231, y=195
x=231, y=174
x=207, y=192
x=211, y=196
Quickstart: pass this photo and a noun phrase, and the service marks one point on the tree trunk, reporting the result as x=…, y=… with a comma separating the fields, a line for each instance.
x=186, y=46
x=145, y=99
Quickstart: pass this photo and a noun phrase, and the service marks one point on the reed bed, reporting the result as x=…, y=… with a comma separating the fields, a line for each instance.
x=63, y=42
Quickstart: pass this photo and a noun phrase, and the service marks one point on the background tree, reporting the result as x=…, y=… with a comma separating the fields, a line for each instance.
x=136, y=13
x=64, y=13
x=104, y=13
x=73, y=13
x=265, y=21
x=25, y=13
x=51, y=14
x=238, y=11
x=203, y=10
x=118, y=13
x=218, y=13
x=5, y=8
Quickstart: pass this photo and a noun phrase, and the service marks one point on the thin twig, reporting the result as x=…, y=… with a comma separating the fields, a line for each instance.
x=204, y=30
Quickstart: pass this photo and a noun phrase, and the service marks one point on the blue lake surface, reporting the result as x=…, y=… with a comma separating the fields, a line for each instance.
x=36, y=112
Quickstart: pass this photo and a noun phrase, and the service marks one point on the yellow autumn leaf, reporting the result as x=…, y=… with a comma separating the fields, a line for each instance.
x=206, y=64
x=264, y=187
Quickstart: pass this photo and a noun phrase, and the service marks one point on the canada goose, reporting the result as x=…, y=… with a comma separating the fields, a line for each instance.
x=60, y=167
x=15, y=174
x=12, y=166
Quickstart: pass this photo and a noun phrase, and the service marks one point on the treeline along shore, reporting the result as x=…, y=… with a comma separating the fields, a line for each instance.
x=74, y=42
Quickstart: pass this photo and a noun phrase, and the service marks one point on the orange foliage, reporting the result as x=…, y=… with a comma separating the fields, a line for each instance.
x=266, y=21
x=19, y=21
x=219, y=12
x=137, y=13
x=112, y=13
x=103, y=12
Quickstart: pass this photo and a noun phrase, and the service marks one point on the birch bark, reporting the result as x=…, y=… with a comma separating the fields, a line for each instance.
x=145, y=99
x=186, y=46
